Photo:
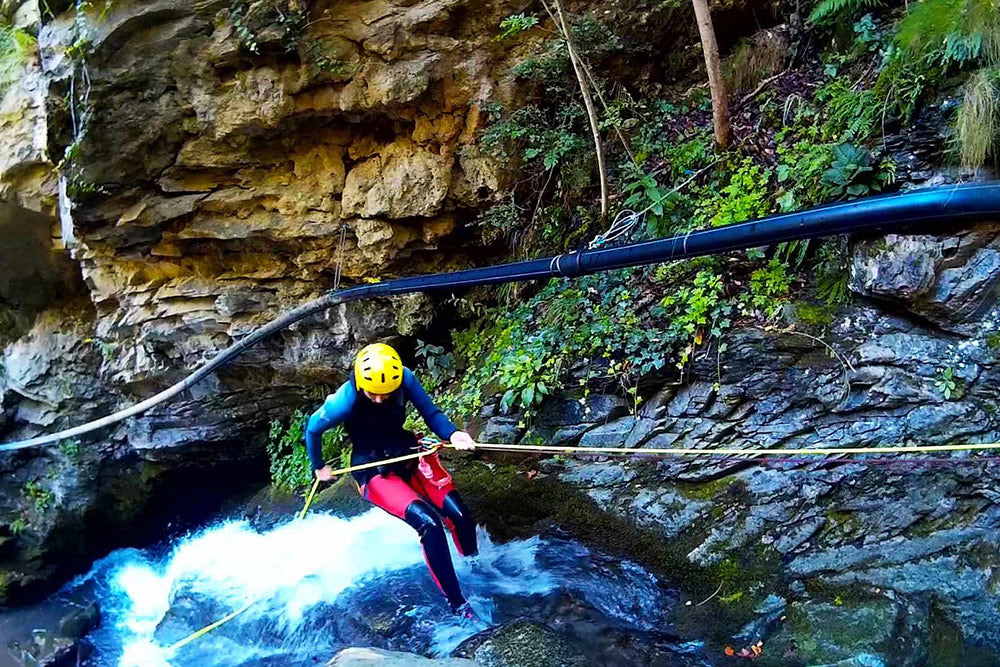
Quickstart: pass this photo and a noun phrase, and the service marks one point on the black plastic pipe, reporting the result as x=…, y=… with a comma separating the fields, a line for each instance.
x=954, y=205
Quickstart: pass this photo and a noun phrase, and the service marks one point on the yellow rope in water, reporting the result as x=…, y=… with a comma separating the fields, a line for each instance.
x=208, y=628
x=305, y=508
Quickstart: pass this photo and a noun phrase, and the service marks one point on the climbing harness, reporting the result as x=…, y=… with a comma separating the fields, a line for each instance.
x=958, y=204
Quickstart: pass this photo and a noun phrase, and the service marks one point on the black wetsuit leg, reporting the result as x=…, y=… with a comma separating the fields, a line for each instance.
x=430, y=526
x=460, y=516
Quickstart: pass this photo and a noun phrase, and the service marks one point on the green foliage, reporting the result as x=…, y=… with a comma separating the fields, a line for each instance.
x=246, y=36
x=977, y=125
x=515, y=25
x=286, y=450
x=768, y=287
x=285, y=23
x=499, y=220
x=39, y=497
x=439, y=364
x=903, y=82
x=16, y=47
x=851, y=115
x=951, y=32
x=692, y=309
x=70, y=448
x=18, y=526
x=852, y=173
x=644, y=191
x=802, y=159
x=523, y=352
x=831, y=273
x=946, y=382
x=528, y=128
x=744, y=198
x=828, y=11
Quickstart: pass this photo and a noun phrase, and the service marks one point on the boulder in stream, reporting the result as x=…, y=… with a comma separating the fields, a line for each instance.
x=376, y=657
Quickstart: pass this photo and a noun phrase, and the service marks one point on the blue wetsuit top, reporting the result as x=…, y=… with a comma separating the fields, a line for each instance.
x=376, y=430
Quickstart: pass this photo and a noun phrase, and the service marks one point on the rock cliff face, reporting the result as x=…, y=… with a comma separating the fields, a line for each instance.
x=873, y=557
x=224, y=161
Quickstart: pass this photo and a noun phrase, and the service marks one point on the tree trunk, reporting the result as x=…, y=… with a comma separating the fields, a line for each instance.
x=720, y=104
x=588, y=103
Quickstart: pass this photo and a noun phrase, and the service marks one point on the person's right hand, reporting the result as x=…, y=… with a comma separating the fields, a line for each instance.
x=325, y=474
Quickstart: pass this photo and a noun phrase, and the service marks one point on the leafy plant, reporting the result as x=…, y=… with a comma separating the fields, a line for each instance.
x=515, y=25
x=950, y=32
x=828, y=11
x=39, y=497
x=499, y=220
x=831, y=273
x=16, y=47
x=946, y=382
x=439, y=364
x=852, y=172
x=18, y=526
x=767, y=288
x=744, y=198
x=851, y=115
x=70, y=448
x=529, y=129
x=289, y=463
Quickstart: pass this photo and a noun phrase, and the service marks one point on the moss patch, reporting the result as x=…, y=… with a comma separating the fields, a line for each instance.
x=813, y=314
x=731, y=485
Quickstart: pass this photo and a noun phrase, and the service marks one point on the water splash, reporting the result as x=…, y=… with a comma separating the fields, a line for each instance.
x=316, y=585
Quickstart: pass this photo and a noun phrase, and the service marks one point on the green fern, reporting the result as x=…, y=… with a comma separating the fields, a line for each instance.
x=828, y=11
x=851, y=115
x=16, y=47
x=952, y=32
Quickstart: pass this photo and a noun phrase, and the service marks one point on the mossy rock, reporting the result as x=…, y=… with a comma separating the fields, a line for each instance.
x=830, y=632
x=522, y=644
x=341, y=498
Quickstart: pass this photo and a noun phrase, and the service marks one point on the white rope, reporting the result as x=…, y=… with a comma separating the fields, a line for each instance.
x=624, y=223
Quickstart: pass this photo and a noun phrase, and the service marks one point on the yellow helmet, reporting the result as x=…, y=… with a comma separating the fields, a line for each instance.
x=378, y=369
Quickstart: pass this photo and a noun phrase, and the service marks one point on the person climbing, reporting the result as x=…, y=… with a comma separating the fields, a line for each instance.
x=372, y=406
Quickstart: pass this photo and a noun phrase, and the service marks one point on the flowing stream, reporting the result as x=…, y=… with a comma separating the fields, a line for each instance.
x=323, y=583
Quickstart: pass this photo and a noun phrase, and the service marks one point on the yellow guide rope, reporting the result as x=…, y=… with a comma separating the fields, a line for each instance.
x=758, y=451
x=434, y=446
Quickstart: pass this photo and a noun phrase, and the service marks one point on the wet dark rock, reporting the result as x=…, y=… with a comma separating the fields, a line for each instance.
x=817, y=633
x=47, y=649
x=950, y=280
x=612, y=434
x=595, y=408
x=376, y=657
x=522, y=644
x=889, y=555
x=80, y=621
x=502, y=430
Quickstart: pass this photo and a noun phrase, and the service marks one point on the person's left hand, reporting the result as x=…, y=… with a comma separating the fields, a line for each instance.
x=462, y=440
